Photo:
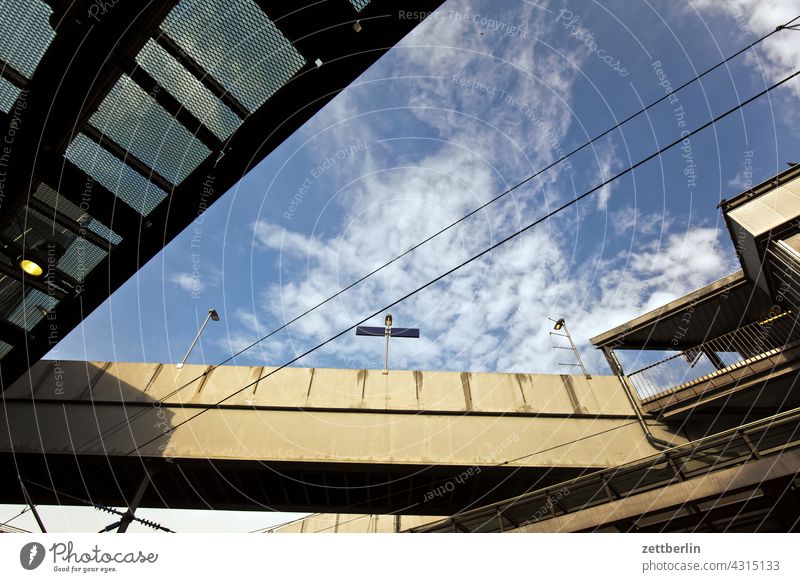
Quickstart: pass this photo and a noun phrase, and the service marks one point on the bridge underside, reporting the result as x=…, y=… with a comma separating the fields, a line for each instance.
x=745, y=480
x=421, y=443
x=268, y=486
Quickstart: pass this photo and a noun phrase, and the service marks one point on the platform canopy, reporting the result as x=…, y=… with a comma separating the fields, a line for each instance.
x=122, y=121
x=705, y=313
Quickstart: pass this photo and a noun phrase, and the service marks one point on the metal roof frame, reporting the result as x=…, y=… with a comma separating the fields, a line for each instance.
x=91, y=50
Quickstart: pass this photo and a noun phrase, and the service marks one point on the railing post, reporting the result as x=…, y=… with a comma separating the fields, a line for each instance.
x=675, y=469
x=715, y=359
x=753, y=450
x=755, y=340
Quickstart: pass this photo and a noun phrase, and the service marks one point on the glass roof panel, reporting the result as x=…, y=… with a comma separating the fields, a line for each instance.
x=25, y=33
x=134, y=120
x=81, y=257
x=359, y=5
x=29, y=311
x=63, y=206
x=237, y=44
x=185, y=87
x=128, y=184
x=8, y=95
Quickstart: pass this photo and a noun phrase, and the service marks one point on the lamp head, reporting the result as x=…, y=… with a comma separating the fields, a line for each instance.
x=214, y=315
x=559, y=324
x=34, y=260
x=389, y=320
x=30, y=266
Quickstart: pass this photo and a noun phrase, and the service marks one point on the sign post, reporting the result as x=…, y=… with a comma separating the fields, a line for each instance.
x=388, y=332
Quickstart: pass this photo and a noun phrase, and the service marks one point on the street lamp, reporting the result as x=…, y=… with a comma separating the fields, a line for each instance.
x=562, y=324
x=213, y=315
x=387, y=331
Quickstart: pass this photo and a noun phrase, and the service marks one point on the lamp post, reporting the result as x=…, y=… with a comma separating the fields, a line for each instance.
x=388, y=324
x=559, y=325
x=212, y=314
x=387, y=331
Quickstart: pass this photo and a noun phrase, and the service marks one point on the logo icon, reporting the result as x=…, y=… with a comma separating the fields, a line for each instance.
x=31, y=555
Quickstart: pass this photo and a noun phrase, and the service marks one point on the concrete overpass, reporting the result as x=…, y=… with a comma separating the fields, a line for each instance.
x=413, y=442
x=741, y=480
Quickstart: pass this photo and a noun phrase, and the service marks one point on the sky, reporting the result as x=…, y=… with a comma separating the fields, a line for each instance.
x=478, y=97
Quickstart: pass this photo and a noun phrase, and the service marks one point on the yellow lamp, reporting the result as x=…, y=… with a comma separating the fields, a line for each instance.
x=30, y=267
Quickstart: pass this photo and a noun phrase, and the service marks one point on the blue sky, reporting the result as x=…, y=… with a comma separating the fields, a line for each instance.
x=478, y=97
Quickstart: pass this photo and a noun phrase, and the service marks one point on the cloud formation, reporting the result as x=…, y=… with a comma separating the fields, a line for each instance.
x=463, y=110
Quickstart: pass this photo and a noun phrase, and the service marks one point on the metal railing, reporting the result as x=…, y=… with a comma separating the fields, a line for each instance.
x=755, y=440
x=784, y=266
x=727, y=352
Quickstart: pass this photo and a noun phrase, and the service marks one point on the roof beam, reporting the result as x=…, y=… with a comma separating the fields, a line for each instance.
x=196, y=69
x=12, y=75
x=12, y=333
x=72, y=225
x=170, y=103
x=76, y=186
x=31, y=282
x=126, y=157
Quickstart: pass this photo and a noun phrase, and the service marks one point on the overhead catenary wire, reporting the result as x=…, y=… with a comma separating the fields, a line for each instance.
x=125, y=422
x=684, y=136
x=283, y=524
x=102, y=507
x=8, y=521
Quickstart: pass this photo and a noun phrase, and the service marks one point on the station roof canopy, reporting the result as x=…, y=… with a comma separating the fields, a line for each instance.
x=703, y=314
x=121, y=120
x=728, y=303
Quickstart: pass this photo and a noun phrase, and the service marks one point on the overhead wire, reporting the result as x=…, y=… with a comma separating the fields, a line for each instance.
x=102, y=507
x=8, y=521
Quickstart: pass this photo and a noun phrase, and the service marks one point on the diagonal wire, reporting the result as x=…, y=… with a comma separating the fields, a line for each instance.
x=24, y=509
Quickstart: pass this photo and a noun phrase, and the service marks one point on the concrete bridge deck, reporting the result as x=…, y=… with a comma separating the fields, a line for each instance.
x=425, y=443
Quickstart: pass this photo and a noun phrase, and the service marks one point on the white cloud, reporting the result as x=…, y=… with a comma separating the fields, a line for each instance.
x=608, y=166
x=757, y=18
x=491, y=315
x=187, y=282
x=631, y=219
x=656, y=273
